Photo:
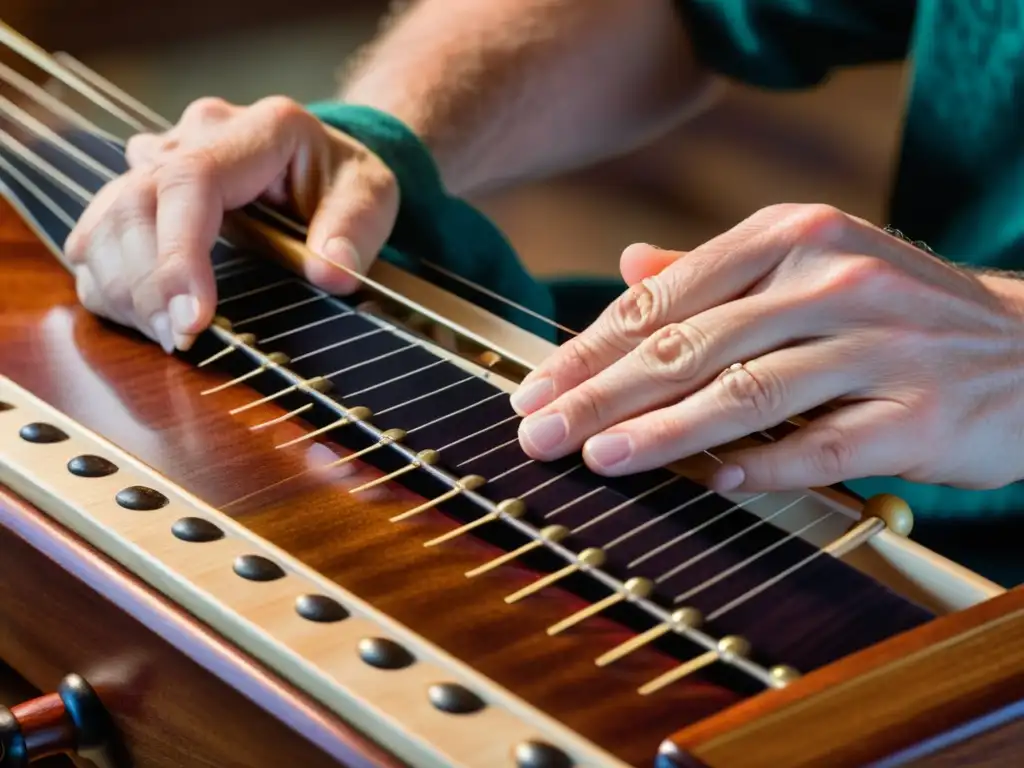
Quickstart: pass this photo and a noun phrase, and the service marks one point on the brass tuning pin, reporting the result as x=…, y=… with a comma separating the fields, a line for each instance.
x=388, y=438
x=489, y=359
x=274, y=360
x=684, y=618
x=318, y=384
x=354, y=414
x=429, y=456
x=879, y=512
x=242, y=340
x=551, y=533
x=281, y=419
x=729, y=647
x=514, y=508
x=782, y=675
x=468, y=483
x=588, y=558
x=634, y=589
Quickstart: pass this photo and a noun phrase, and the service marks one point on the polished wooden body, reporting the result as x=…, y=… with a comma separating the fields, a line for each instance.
x=944, y=679
x=169, y=708
x=126, y=390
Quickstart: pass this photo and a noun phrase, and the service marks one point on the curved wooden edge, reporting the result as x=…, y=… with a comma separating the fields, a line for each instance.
x=227, y=663
x=876, y=703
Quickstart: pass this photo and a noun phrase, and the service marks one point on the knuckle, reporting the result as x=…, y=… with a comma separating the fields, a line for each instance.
x=665, y=431
x=753, y=389
x=195, y=168
x=675, y=353
x=587, y=404
x=641, y=309
x=774, y=212
x=135, y=204
x=148, y=295
x=379, y=181
x=283, y=109
x=141, y=146
x=832, y=454
x=115, y=291
x=817, y=223
x=867, y=277
x=927, y=415
x=206, y=109
x=578, y=362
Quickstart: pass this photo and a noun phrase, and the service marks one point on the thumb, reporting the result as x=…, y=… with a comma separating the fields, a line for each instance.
x=351, y=224
x=640, y=260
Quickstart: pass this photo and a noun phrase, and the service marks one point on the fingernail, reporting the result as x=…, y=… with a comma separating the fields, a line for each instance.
x=608, y=450
x=184, y=341
x=161, y=325
x=532, y=395
x=544, y=433
x=184, y=312
x=341, y=250
x=728, y=478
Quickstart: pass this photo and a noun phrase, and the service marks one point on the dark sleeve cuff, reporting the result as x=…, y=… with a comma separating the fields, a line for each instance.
x=437, y=227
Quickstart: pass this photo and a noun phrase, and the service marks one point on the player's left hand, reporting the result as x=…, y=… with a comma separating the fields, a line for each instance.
x=799, y=306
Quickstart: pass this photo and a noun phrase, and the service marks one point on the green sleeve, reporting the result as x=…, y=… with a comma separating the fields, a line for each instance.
x=789, y=44
x=435, y=227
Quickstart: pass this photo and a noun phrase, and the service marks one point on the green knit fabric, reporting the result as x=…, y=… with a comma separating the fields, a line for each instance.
x=441, y=229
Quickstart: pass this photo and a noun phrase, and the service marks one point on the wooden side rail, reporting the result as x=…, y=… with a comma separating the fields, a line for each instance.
x=879, y=702
x=163, y=677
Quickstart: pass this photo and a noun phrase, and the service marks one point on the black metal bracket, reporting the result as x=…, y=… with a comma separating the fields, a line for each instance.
x=96, y=737
x=13, y=752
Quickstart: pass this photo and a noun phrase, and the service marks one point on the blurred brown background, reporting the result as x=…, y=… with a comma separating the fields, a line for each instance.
x=834, y=145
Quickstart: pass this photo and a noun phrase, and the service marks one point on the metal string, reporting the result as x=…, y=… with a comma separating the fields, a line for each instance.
x=278, y=311
x=709, y=643
x=432, y=393
x=655, y=520
x=158, y=122
x=65, y=146
x=726, y=542
x=447, y=416
x=479, y=432
x=393, y=379
x=77, y=191
x=626, y=503
x=161, y=123
x=687, y=534
x=744, y=563
x=489, y=451
x=307, y=326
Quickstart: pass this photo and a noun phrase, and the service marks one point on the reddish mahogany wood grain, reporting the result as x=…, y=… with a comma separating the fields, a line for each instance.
x=880, y=701
x=126, y=389
x=180, y=695
x=46, y=726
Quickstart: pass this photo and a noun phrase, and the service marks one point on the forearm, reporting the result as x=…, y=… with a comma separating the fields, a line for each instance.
x=503, y=90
